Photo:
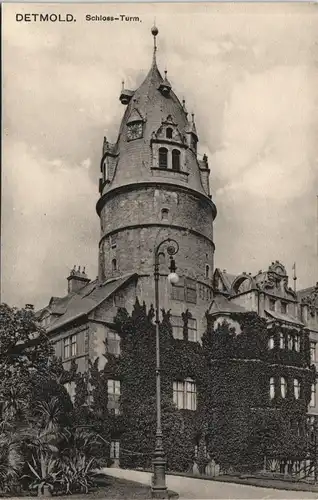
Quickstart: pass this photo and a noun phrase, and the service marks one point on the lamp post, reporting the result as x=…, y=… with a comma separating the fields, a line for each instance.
x=159, y=488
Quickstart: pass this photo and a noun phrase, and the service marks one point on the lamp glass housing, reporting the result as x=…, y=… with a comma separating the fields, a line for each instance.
x=173, y=278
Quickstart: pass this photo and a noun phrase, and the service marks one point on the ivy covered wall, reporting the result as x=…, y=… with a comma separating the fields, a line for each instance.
x=235, y=421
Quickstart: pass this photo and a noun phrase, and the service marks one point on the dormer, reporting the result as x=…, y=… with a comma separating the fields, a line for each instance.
x=192, y=135
x=108, y=163
x=165, y=86
x=134, y=125
x=125, y=95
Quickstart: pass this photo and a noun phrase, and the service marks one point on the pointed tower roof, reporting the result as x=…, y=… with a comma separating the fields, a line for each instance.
x=135, y=160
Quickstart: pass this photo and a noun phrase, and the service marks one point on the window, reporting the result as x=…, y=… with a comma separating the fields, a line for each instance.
x=271, y=343
x=185, y=395
x=312, y=403
x=73, y=345
x=169, y=133
x=178, y=289
x=297, y=343
x=296, y=388
x=113, y=388
x=282, y=341
x=207, y=271
x=313, y=351
x=114, y=450
x=204, y=450
x=119, y=299
x=164, y=214
x=113, y=241
x=283, y=307
x=114, y=265
x=113, y=343
x=192, y=330
x=163, y=158
x=272, y=388
x=177, y=327
x=67, y=348
x=272, y=304
x=290, y=342
x=190, y=290
x=283, y=387
x=175, y=160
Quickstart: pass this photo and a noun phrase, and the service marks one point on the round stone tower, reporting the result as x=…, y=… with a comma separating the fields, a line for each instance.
x=153, y=186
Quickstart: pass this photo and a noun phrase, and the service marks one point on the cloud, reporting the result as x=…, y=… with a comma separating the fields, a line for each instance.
x=249, y=72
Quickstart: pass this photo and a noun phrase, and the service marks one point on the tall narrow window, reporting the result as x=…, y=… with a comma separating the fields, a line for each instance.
x=113, y=388
x=113, y=241
x=272, y=388
x=297, y=343
x=175, y=160
x=283, y=387
x=191, y=395
x=283, y=307
x=207, y=271
x=169, y=133
x=192, y=330
x=296, y=388
x=282, y=341
x=190, y=290
x=271, y=342
x=312, y=403
x=114, y=265
x=272, y=304
x=113, y=343
x=67, y=348
x=163, y=158
x=178, y=394
x=114, y=450
x=73, y=345
x=290, y=342
x=177, y=327
x=313, y=351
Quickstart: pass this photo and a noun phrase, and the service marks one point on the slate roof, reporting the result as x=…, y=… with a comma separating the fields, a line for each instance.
x=76, y=305
x=221, y=304
x=284, y=317
x=154, y=107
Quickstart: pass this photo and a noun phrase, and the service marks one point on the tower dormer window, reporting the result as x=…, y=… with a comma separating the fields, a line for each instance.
x=175, y=160
x=169, y=133
x=163, y=158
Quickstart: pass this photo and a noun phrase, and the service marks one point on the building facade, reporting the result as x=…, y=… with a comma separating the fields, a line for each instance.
x=154, y=185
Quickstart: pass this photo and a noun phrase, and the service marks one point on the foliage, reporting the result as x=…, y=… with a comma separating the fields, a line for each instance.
x=235, y=420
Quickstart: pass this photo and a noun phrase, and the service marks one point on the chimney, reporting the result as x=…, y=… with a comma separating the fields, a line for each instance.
x=77, y=279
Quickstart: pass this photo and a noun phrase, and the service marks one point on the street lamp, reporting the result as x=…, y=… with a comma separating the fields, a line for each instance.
x=159, y=487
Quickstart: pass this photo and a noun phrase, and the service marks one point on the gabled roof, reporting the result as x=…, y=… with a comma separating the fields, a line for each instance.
x=226, y=278
x=221, y=305
x=287, y=318
x=83, y=302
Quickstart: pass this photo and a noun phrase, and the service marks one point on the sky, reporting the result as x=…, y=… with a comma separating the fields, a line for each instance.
x=249, y=72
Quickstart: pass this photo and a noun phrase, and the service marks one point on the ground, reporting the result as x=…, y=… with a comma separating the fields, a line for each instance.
x=205, y=489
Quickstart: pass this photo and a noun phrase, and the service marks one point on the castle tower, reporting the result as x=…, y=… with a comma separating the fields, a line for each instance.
x=153, y=186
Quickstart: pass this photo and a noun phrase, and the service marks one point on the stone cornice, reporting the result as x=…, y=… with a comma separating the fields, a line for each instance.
x=157, y=224
x=141, y=185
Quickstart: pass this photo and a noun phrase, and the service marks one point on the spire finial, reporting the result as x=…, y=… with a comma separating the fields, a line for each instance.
x=154, y=31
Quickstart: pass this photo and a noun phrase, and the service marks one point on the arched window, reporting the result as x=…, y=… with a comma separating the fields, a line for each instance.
x=164, y=214
x=169, y=133
x=114, y=265
x=175, y=160
x=207, y=271
x=163, y=158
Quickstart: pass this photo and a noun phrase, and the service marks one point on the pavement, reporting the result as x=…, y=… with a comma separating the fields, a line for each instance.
x=191, y=488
